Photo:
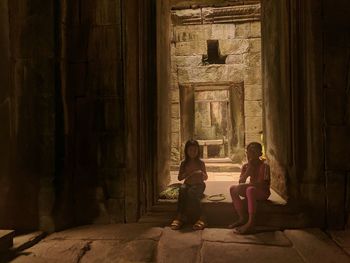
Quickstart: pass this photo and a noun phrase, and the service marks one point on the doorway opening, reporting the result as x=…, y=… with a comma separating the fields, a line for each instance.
x=216, y=88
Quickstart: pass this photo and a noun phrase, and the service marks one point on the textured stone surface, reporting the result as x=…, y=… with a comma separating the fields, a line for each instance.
x=187, y=61
x=243, y=30
x=233, y=46
x=179, y=246
x=191, y=48
x=223, y=31
x=234, y=59
x=252, y=76
x=192, y=33
x=255, y=29
x=217, y=252
x=253, y=124
x=253, y=108
x=252, y=59
x=212, y=73
x=276, y=238
x=252, y=92
x=103, y=232
x=315, y=246
x=116, y=251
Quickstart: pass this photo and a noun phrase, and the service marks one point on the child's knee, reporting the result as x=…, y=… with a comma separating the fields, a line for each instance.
x=234, y=189
x=250, y=190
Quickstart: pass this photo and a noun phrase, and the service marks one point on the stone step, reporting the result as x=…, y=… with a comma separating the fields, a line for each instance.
x=220, y=167
x=6, y=239
x=220, y=214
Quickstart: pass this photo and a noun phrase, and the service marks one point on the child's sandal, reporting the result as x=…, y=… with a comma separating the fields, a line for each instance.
x=199, y=225
x=176, y=224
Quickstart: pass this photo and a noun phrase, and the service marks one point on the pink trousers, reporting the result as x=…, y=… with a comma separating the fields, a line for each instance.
x=251, y=193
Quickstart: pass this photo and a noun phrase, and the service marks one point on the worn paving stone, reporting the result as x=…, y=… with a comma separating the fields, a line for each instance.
x=117, y=251
x=342, y=238
x=179, y=246
x=65, y=251
x=116, y=232
x=276, y=238
x=217, y=252
x=315, y=246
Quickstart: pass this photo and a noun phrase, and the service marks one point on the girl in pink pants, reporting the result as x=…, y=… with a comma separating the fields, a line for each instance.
x=257, y=189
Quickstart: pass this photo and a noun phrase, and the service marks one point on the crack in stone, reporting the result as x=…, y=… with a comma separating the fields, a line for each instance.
x=83, y=251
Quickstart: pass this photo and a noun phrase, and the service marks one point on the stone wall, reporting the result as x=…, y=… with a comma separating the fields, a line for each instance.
x=337, y=111
x=239, y=44
x=27, y=110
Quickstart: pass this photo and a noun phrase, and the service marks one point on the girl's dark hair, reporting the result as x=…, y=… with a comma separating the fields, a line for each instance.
x=191, y=143
x=256, y=146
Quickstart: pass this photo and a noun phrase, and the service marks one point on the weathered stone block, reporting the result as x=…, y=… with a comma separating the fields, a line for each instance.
x=110, y=152
x=255, y=45
x=252, y=137
x=77, y=43
x=114, y=181
x=175, y=96
x=77, y=78
x=253, y=124
x=187, y=246
x=116, y=210
x=192, y=33
x=35, y=77
x=211, y=95
x=33, y=36
x=336, y=67
x=242, y=30
x=253, y=108
x=175, y=125
x=336, y=106
x=172, y=49
x=255, y=29
x=211, y=73
x=252, y=92
x=252, y=76
x=104, y=43
x=105, y=78
x=187, y=61
x=335, y=192
x=175, y=140
x=174, y=78
x=337, y=148
x=175, y=110
x=233, y=46
x=191, y=48
x=223, y=31
x=234, y=59
x=107, y=12
x=252, y=59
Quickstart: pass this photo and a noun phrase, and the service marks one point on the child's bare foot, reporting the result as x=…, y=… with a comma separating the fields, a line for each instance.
x=246, y=229
x=236, y=223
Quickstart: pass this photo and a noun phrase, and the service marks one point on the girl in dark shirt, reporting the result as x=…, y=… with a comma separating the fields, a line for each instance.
x=193, y=171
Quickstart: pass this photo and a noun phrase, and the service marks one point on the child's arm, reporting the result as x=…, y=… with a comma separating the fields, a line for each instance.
x=204, y=171
x=182, y=174
x=243, y=177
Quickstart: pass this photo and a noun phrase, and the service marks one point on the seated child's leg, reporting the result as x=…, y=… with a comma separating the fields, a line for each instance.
x=195, y=194
x=238, y=205
x=181, y=203
x=251, y=198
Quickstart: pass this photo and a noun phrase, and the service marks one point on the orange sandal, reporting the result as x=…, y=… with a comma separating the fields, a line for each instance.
x=199, y=225
x=176, y=224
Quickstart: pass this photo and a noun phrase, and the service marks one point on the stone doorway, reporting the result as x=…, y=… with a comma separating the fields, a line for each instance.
x=212, y=113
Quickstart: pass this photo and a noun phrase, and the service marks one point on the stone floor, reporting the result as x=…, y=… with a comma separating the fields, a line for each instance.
x=150, y=243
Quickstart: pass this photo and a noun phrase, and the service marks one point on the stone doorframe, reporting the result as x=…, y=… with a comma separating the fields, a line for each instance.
x=236, y=113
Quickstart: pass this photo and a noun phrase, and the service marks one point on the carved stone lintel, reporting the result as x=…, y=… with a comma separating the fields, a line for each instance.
x=219, y=15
